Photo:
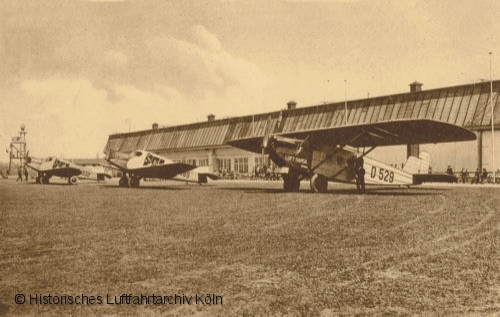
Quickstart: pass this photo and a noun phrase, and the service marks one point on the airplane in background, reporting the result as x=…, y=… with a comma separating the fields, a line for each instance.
x=142, y=164
x=330, y=154
x=53, y=166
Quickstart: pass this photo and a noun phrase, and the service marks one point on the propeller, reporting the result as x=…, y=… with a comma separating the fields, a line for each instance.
x=303, y=146
x=110, y=154
x=27, y=158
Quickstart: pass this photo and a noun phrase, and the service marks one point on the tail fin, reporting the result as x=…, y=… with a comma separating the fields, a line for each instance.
x=204, y=173
x=112, y=154
x=418, y=165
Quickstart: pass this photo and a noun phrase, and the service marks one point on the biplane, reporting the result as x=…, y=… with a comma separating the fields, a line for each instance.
x=329, y=154
x=142, y=164
x=53, y=166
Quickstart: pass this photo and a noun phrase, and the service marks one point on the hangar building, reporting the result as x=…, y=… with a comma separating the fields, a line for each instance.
x=204, y=143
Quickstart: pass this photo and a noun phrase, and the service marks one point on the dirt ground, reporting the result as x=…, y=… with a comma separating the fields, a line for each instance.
x=247, y=249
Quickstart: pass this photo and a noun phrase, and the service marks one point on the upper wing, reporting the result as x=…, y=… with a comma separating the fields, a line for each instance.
x=399, y=132
x=165, y=171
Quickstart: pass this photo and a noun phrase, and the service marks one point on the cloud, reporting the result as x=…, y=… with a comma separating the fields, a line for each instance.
x=115, y=59
x=198, y=64
x=175, y=81
x=65, y=117
x=205, y=39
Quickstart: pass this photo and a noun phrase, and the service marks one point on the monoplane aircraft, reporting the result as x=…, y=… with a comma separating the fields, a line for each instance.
x=329, y=154
x=142, y=164
x=53, y=166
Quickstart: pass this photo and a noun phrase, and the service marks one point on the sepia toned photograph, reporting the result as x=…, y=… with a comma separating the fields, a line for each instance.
x=249, y=158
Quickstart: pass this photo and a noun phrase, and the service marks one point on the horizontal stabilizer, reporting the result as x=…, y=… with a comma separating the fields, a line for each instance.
x=102, y=176
x=433, y=178
x=203, y=177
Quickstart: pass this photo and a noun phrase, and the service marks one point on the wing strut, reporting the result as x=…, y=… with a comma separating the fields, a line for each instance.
x=327, y=157
x=364, y=154
x=340, y=148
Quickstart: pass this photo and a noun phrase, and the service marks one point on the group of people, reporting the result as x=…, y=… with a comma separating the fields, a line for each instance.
x=265, y=172
x=20, y=174
x=479, y=176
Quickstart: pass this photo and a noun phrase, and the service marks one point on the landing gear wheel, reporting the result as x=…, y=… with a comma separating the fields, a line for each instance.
x=133, y=182
x=291, y=182
x=45, y=180
x=38, y=180
x=123, y=182
x=72, y=180
x=319, y=183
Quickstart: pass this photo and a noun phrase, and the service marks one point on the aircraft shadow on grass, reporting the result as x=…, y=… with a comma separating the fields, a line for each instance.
x=346, y=191
x=165, y=188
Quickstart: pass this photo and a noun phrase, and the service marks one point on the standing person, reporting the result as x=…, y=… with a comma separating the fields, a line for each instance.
x=26, y=174
x=464, y=175
x=449, y=170
x=477, y=176
x=19, y=175
x=484, y=176
x=360, y=173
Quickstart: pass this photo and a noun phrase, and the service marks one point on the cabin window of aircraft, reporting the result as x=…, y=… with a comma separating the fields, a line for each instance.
x=153, y=160
x=58, y=164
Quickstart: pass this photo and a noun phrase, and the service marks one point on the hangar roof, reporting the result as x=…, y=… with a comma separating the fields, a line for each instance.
x=466, y=106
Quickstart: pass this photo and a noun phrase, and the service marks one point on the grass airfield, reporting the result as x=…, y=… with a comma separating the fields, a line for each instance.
x=428, y=250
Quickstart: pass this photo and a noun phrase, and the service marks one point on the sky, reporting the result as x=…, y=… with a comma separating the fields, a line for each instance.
x=74, y=71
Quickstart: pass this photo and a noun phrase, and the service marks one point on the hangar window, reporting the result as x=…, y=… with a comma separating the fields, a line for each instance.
x=241, y=165
x=188, y=161
x=203, y=162
x=224, y=165
x=261, y=161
